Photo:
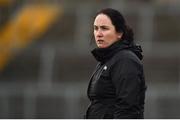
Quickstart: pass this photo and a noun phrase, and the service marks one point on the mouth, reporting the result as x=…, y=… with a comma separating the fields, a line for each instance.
x=100, y=41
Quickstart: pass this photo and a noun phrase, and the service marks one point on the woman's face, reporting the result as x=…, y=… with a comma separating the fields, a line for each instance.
x=104, y=31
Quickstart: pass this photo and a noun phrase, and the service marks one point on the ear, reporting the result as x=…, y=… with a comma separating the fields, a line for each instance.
x=120, y=35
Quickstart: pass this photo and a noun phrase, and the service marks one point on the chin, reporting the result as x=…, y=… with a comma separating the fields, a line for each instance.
x=102, y=46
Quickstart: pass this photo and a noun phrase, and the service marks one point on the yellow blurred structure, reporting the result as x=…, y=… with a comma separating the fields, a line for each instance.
x=5, y=2
x=29, y=23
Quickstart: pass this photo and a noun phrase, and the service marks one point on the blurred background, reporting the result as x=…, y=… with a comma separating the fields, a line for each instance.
x=45, y=59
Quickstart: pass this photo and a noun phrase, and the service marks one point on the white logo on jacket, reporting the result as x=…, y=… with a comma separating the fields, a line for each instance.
x=105, y=67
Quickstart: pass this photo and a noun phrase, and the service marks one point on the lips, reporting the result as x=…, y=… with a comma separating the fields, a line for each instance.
x=100, y=41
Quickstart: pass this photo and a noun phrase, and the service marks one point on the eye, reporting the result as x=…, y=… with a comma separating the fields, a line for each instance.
x=104, y=28
x=95, y=28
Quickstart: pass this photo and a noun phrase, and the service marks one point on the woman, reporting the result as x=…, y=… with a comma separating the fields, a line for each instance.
x=117, y=86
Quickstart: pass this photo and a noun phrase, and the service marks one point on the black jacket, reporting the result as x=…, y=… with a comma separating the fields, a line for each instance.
x=117, y=86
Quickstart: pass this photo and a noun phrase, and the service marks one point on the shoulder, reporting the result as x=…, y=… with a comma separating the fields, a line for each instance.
x=124, y=61
x=126, y=56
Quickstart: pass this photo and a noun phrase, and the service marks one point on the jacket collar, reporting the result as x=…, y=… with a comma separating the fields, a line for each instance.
x=103, y=54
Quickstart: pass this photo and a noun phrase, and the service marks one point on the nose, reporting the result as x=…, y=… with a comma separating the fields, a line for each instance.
x=99, y=33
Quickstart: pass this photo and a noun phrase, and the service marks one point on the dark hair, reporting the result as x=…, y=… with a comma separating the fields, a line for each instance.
x=119, y=22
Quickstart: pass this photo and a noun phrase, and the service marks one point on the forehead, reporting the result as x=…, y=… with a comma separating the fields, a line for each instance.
x=102, y=19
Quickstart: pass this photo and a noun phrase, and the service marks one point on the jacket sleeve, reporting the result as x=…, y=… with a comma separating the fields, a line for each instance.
x=126, y=79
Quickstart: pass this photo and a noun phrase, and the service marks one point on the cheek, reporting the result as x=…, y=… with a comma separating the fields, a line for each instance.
x=94, y=34
x=111, y=38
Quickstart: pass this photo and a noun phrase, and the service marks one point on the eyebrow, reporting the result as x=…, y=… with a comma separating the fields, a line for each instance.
x=101, y=26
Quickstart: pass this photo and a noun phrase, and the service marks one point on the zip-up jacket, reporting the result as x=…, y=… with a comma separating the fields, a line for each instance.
x=117, y=86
